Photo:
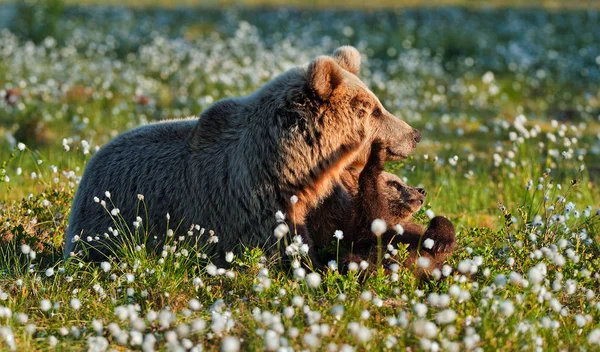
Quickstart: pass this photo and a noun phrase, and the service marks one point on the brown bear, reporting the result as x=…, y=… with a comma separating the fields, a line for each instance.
x=336, y=211
x=376, y=199
x=376, y=194
x=239, y=163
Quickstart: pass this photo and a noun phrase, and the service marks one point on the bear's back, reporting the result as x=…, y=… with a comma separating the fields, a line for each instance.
x=146, y=160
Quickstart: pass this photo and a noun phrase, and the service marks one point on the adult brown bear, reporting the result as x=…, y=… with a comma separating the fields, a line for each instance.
x=242, y=160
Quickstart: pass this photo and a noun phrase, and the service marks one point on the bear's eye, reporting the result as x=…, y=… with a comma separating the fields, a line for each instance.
x=395, y=185
x=377, y=112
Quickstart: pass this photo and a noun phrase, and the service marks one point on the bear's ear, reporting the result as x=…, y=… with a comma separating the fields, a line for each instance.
x=324, y=75
x=348, y=58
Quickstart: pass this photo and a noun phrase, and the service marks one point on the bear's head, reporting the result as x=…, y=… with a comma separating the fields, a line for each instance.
x=350, y=108
x=403, y=200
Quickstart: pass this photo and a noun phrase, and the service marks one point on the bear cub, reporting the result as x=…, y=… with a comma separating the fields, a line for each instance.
x=384, y=196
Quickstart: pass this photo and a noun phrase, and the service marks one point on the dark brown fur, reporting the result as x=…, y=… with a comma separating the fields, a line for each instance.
x=371, y=204
x=376, y=194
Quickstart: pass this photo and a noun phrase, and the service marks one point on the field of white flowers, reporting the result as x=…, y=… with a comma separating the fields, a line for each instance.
x=508, y=101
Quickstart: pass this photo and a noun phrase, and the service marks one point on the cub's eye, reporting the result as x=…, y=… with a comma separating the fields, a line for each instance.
x=395, y=185
x=377, y=112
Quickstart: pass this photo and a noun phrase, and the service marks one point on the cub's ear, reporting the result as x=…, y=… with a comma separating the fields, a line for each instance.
x=348, y=58
x=324, y=75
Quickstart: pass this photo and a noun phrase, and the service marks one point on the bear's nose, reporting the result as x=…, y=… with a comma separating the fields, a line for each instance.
x=417, y=135
x=422, y=191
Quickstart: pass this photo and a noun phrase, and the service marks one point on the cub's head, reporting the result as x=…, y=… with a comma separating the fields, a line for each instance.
x=403, y=200
x=350, y=110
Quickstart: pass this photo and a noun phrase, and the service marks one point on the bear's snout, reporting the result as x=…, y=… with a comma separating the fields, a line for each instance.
x=416, y=135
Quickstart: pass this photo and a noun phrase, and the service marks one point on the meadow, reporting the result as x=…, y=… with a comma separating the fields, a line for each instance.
x=507, y=99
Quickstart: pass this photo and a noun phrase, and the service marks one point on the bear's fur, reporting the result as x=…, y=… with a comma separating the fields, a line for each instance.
x=242, y=160
x=373, y=194
x=336, y=211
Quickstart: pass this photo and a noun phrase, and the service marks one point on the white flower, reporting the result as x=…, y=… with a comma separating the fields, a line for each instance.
x=352, y=266
x=294, y=199
x=399, y=229
x=366, y=295
x=195, y=304
x=279, y=216
x=313, y=280
x=107, y=194
x=332, y=264
x=49, y=272
x=130, y=278
x=535, y=275
x=423, y=262
x=430, y=214
x=515, y=278
x=106, y=266
x=466, y=266
x=378, y=227
x=339, y=234
x=25, y=249
x=21, y=146
x=422, y=327
x=420, y=310
x=594, y=337
x=45, y=305
x=21, y=318
x=298, y=301
x=446, y=316
x=507, y=308
x=488, y=77
x=364, y=265
x=295, y=263
x=304, y=249
x=230, y=344
x=580, y=320
x=211, y=269
x=299, y=273
x=428, y=243
x=281, y=230
x=229, y=257
x=446, y=270
x=75, y=303
x=500, y=280
x=337, y=311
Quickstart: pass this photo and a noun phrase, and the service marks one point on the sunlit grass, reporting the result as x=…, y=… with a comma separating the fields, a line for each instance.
x=522, y=191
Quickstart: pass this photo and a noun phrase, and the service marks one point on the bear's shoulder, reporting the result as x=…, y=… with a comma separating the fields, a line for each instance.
x=177, y=129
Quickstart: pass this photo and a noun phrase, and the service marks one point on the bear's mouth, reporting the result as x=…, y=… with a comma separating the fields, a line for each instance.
x=416, y=202
x=395, y=155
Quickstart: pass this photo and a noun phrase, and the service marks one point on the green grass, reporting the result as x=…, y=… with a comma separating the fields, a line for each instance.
x=524, y=276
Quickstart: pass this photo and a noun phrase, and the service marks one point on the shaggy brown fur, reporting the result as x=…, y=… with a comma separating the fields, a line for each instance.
x=372, y=203
x=241, y=161
x=376, y=194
